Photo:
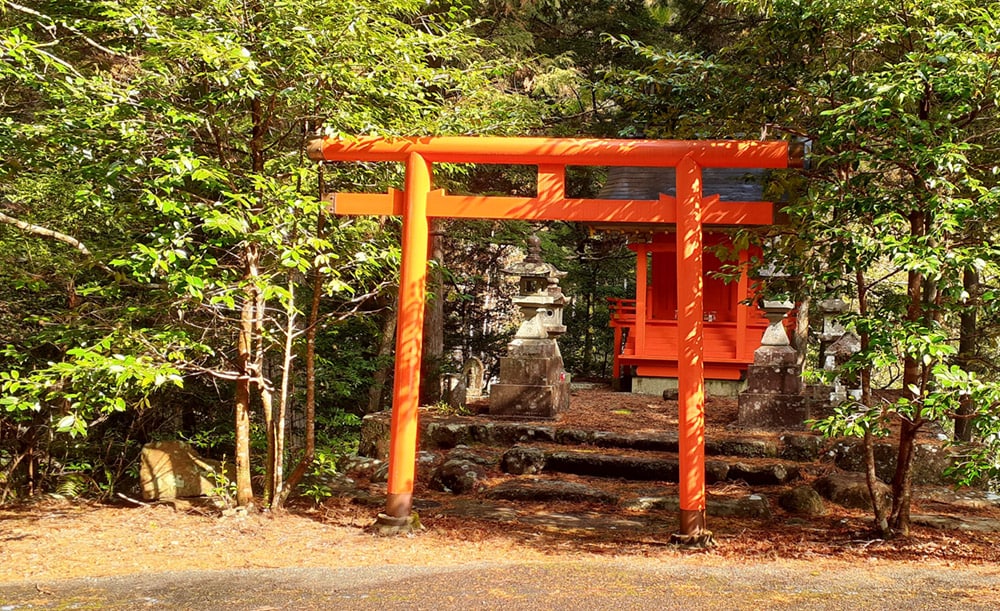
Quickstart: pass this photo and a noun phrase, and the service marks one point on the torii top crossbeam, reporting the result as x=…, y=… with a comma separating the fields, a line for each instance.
x=558, y=151
x=689, y=210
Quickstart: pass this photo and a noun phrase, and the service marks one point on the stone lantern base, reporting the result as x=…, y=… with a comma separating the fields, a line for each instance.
x=534, y=382
x=773, y=398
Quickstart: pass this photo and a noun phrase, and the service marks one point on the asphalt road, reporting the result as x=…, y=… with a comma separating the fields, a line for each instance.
x=561, y=584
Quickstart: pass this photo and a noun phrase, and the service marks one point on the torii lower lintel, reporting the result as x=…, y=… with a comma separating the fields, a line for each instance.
x=689, y=210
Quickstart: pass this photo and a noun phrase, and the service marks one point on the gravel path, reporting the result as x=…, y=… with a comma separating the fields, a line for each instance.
x=635, y=583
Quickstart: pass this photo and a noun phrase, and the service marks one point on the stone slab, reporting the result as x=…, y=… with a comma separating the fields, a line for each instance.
x=539, y=348
x=851, y=490
x=966, y=523
x=751, y=506
x=548, y=490
x=532, y=401
x=634, y=468
x=772, y=411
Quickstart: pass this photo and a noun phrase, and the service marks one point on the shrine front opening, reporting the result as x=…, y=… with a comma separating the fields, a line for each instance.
x=689, y=211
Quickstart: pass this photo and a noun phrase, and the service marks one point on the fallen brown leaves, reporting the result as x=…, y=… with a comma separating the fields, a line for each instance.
x=58, y=539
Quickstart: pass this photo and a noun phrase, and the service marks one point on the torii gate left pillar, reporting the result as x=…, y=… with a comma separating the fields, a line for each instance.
x=409, y=339
x=690, y=210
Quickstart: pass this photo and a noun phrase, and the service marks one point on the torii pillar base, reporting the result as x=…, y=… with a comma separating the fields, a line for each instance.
x=388, y=526
x=702, y=540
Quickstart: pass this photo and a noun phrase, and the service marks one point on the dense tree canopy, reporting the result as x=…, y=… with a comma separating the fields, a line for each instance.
x=899, y=104
x=165, y=257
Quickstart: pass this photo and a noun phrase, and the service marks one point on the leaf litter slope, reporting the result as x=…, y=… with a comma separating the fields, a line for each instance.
x=56, y=539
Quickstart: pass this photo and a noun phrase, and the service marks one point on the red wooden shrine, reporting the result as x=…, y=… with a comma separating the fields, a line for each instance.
x=645, y=328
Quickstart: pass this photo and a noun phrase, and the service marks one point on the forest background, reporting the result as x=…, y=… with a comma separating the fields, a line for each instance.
x=167, y=271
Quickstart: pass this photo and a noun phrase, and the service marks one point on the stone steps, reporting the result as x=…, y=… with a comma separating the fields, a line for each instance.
x=631, y=466
x=747, y=484
x=511, y=461
x=444, y=435
x=513, y=466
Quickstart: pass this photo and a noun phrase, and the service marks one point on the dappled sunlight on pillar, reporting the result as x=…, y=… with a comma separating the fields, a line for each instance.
x=691, y=382
x=409, y=340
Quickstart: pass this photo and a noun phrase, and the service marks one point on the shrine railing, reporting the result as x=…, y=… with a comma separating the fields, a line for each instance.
x=622, y=310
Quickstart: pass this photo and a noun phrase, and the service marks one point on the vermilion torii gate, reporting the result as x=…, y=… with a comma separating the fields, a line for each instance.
x=689, y=210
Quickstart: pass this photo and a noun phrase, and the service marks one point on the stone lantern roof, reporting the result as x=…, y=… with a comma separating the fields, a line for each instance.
x=532, y=267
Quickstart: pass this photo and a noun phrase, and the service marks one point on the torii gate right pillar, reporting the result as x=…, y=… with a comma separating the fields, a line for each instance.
x=691, y=364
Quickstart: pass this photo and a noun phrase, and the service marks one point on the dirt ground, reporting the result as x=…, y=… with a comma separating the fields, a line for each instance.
x=50, y=539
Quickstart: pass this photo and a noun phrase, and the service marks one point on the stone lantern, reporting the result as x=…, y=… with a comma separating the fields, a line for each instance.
x=533, y=382
x=773, y=397
x=831, y=309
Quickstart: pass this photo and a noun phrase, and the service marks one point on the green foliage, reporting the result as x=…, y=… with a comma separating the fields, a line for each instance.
x=338, y=431
x=166, y=137
x=978, y=462
x=898, y=103
x=316, y=486
x=317, y=492
x=598, y=266
x=91, y=381
x=225, y=489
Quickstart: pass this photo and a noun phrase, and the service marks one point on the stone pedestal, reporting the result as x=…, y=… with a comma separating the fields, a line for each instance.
x=533, y=381
x=773, y=398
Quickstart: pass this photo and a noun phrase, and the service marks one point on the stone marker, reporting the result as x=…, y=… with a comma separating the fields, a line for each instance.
x=474, y=374
x=172, y=469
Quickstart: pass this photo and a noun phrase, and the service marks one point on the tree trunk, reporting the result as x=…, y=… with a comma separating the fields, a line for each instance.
x=588, y=331
x=433, y=354
x=902, y=479
x=248, y=366
x=385, y=346
x=914, y=313
x=244, y=365
x=313, y=325
x=281, y=412
x=913, y=370
x=267, y=406
x=881, y=521
x=263, y=384
x=968, y=331
x=800, y=338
